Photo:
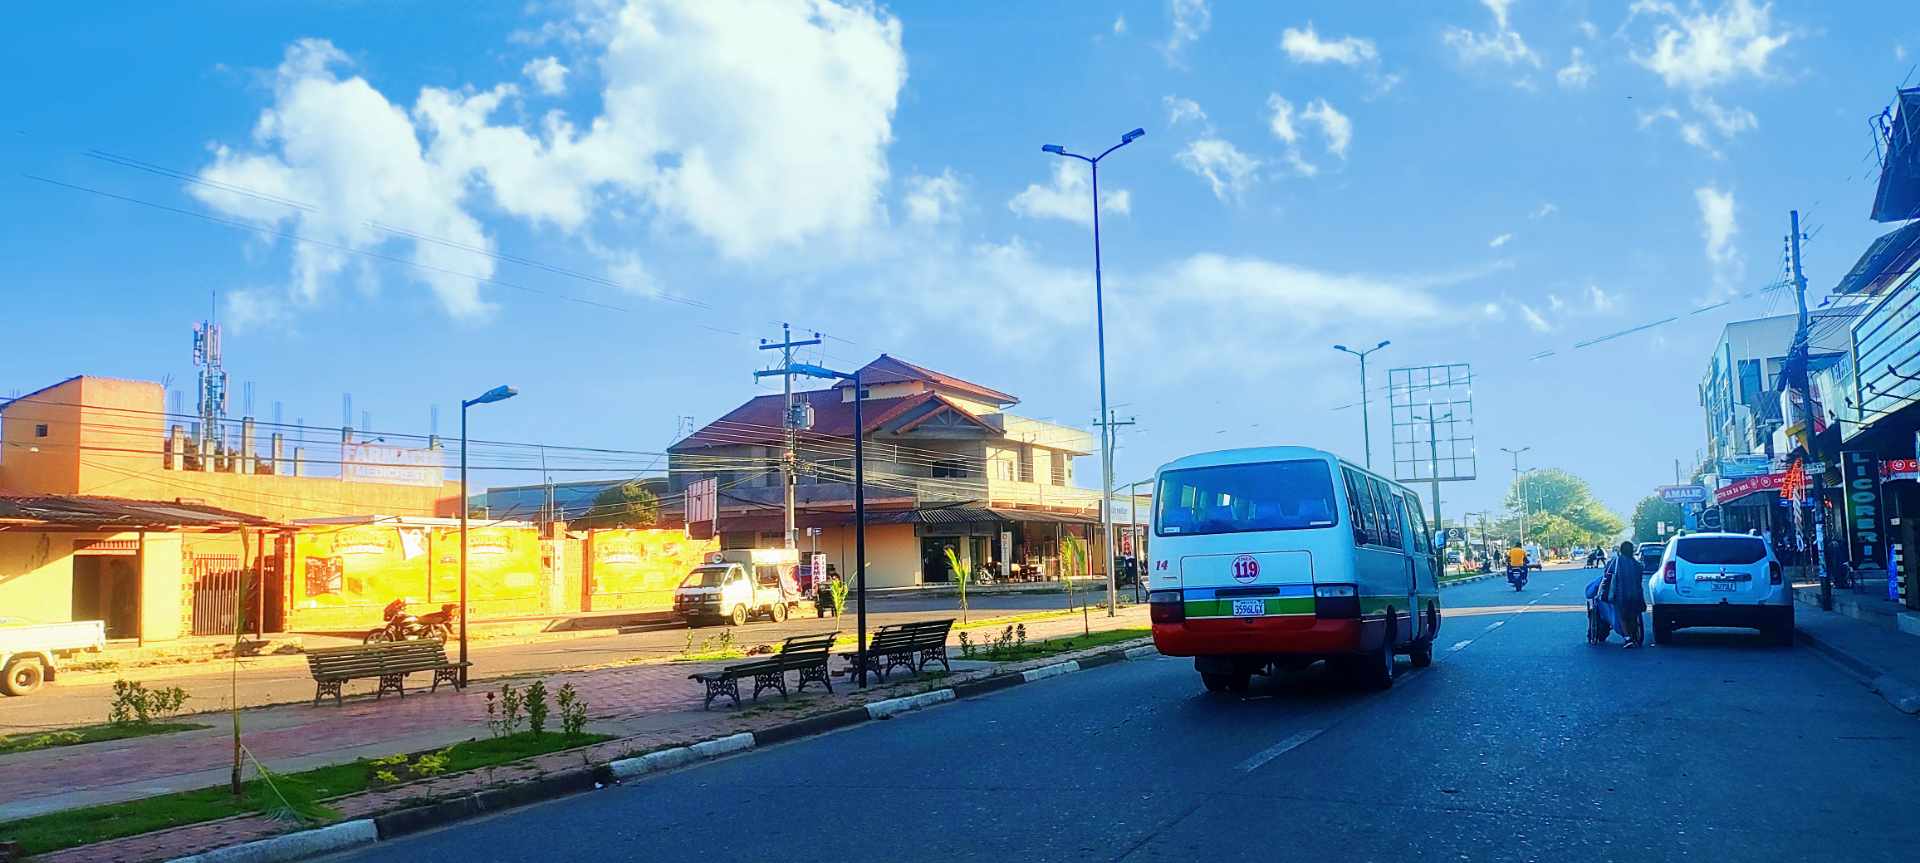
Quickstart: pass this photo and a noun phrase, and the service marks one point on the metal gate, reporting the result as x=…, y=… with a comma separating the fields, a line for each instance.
x=216, y=580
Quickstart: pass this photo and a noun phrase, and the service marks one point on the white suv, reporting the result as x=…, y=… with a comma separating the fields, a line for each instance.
x=1720, y=579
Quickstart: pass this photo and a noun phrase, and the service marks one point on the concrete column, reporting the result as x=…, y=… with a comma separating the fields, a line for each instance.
x=247, y=464
x=299, y=458
x=176, y=448
x=276, y=456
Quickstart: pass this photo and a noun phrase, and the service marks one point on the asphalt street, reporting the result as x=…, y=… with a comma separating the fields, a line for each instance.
x=1521, y=742
x=260, y=684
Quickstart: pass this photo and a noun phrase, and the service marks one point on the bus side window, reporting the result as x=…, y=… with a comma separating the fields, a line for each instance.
x=1390, y=517
x=1418, y=519
x=1358, y=511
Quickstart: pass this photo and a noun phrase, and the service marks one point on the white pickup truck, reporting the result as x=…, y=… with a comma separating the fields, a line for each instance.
x=29, y=652
x=736, y=585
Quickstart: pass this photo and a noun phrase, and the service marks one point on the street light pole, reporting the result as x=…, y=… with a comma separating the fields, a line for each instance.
x=1366, y=403
x=1100, y=337
x=1516, y=478
x=859, y=507
x=499, y=393
x=1433, y=460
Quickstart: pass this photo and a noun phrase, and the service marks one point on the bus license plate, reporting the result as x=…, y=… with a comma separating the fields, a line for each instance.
x=1249, y=607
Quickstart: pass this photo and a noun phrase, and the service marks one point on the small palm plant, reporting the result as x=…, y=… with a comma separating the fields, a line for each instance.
x=961, y=572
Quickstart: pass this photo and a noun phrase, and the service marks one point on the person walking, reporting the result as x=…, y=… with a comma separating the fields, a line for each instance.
x=1626, y=589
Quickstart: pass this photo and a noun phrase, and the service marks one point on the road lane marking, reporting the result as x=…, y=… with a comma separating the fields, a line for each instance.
x=1278, y=749
x=1496, y=625
x=1460, y=645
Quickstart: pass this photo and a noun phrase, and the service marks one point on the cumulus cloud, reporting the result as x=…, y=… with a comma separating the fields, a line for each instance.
x=1069, y=196
x=753, y=157
x=933, y=200
x=1227, y=170
x=1601, y=301
x=1718, y=229
x=1280, y=118
x=1334, y=126
x=547, y=74
x=1191, y=20
x=1698, y=49
x=1304, y=45
x=1181, y=110
x=1576, y=74
x=1706, y=115
x=1499, y=241
x=1501, y=45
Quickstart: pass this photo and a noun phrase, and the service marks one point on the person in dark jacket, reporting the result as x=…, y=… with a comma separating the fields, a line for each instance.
x=1626, y=589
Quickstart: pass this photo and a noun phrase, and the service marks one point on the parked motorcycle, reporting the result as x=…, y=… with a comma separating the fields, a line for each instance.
x=401, y=626
x=1517, y=576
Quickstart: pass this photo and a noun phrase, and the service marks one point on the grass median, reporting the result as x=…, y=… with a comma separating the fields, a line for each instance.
x=1007, y=649
x=75, y=827
x=89, y=734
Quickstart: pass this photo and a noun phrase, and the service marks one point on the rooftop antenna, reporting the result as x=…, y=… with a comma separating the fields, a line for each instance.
x=212, y=400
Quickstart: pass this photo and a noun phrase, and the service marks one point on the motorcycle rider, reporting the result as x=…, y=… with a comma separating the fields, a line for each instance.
x=1516, y=556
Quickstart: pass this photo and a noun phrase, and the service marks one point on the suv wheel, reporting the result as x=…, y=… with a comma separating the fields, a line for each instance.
x=1662, y=629
x=1780, y=632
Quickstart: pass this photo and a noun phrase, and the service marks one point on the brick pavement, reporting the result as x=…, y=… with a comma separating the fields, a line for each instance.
x=648, y=705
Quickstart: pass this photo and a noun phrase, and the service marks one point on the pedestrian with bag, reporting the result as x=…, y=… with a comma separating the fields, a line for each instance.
x=1625, y=589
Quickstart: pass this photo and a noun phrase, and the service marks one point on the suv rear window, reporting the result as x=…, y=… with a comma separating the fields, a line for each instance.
x=1721, y=550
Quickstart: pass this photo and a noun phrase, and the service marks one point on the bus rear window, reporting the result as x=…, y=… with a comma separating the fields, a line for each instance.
x=1280, y=495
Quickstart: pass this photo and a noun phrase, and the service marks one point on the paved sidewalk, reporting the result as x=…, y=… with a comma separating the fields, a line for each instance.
x=648, y=698
x=1864, y=639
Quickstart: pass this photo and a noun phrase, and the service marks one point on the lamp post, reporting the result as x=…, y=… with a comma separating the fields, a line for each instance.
x=1433, y=457
x=859, y=507
x=1516, y=478
x=1366, y=428
x=499, y=393
x=1100, y=338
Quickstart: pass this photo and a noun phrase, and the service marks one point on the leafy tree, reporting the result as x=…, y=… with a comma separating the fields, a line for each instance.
x=1648, y=514
x=629, y=504
x=1561, y=511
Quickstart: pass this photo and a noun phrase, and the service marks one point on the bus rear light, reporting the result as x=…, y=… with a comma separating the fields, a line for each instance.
x=1337, y=601
x=1166, y=606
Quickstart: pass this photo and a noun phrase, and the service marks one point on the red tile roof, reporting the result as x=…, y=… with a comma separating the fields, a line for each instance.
x=888, y=370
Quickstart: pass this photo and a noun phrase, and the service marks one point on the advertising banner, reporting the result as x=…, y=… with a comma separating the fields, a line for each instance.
x=1866, y=538
x=1683, y=494
x=638, y=569
x=1741, y=488
x=391, y=465
x=1745, y=466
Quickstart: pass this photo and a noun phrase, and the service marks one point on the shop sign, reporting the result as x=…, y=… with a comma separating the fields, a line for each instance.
x=1866, y=539
x=1743, y=487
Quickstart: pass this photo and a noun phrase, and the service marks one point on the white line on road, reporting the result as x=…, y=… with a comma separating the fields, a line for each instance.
x=1496, y=625
x=1459, y=645
x=1278, y=749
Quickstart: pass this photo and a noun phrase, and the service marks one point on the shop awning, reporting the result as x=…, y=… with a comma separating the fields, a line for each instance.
x=1043, y=517
x=89, y=513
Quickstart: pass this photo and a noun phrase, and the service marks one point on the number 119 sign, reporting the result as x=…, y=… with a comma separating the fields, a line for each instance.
x=1245, y=569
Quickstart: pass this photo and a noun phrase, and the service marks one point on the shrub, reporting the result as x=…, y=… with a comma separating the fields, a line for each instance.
x=135, y=704
x=503, y=714
x=573, y=711
x=537, y=707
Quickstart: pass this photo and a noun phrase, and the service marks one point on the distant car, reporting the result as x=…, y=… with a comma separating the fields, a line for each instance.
x=1720, y=579
x=1650, y=553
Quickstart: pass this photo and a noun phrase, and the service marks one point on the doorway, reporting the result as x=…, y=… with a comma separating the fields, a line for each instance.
x=933, y=558
x=106, y=587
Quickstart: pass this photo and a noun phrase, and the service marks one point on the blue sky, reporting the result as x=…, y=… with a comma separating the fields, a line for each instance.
x=656, y=186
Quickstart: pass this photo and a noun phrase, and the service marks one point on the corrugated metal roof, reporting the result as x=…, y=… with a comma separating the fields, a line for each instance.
x=115, y=513
x=1885, y=260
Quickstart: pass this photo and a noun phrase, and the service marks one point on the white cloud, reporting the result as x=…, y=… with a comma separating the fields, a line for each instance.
x=1069, y=196
x=547, y=74
x=1501, y=45
x=1719, y=228
x=1493, y=311
x=1648, y=118
x=1600, y=301
x=1534, y=319
x=1120, y=25
x=1706, y=114
x=1546, y=208
x=1335, y=126
x=933, y=200
x=1588, y=30
x=1577, y=73
x=1182, y=110
x=1698, y=49
x=1556, y=304
x=1227, y=170
x=1280, y=118
x=1304, y=45
x=1727, y=121
x=1191, y=20
x=253, y=308
x=702, y=126
x=1899, y=53
x=1499, y=241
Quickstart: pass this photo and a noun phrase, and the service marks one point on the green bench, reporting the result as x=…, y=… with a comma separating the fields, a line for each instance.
x=913, y=645
x=390, y=662
x=806, y=654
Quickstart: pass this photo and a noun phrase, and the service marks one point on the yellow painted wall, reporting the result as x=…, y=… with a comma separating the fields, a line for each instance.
x=638, y=569
x=36, y=576
x=342, y=576
x=893, y=553
x=160, y=586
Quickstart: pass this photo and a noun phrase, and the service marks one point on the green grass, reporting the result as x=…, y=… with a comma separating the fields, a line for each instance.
x=88, y=734
x=1052, y=646
x=74, y=827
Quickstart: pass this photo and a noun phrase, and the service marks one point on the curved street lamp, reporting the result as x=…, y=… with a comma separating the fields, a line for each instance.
x=497, y=394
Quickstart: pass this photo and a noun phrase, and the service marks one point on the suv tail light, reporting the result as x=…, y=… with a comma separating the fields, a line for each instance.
x=1670, y=573
x=1166, y=606
x=1341, y=601
x=1773, y=572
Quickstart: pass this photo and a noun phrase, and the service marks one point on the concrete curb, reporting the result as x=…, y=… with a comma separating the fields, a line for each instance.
x=1901, y=695
x=293, y=846
x=393, y=825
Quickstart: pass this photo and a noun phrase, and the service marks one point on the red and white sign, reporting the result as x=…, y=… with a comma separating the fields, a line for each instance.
x=1742, y=487
x=1900, y=468
x=1245, y=569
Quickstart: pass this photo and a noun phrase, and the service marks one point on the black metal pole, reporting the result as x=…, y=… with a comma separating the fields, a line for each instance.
x=859, y=531
x=463, y=543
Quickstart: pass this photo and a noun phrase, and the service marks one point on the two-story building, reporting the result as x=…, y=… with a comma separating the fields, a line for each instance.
x=1741, y=399
x=947, y=466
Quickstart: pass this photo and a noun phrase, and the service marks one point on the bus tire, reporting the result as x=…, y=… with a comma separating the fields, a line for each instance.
x=1215, y=681
x=1376, y=669
x=1421, y=654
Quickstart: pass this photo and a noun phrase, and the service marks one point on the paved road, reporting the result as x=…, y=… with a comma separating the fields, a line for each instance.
x=1520, y=743
x=278, y=683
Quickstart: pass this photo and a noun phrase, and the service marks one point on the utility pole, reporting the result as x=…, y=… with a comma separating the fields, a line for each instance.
x=1517, y=481
x=789, y=457
x=1108, y=439
x=1433, y=460
x=1802, y=345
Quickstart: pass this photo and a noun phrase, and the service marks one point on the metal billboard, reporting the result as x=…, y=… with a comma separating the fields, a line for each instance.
x=1431, y=412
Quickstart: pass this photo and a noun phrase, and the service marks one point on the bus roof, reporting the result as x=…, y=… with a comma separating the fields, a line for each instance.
x=1250, y=455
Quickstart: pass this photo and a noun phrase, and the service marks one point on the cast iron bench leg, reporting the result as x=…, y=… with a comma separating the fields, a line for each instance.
x=393, y=683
